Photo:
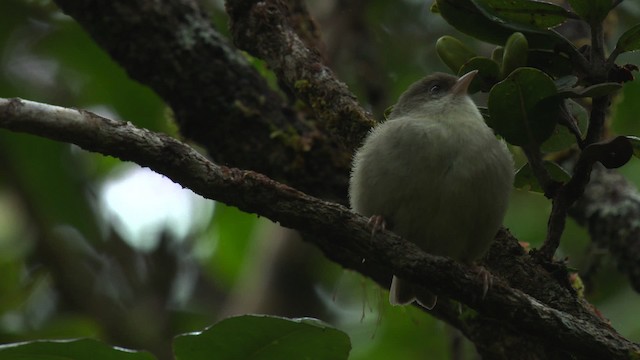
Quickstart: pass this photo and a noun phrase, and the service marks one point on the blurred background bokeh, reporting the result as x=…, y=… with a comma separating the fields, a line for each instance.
x=94, y=247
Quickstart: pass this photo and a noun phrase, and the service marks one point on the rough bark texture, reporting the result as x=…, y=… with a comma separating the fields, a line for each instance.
x=218, y=98
x=266, y=29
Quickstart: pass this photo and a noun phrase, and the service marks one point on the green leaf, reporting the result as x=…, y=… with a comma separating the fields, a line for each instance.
x=635, y=143
x=592, y=11
x=522, y=107
x=453, y=53
x=262, y=338
x=612, y=153
x=515, y=53
x=630, y=40
x=525, y=180
x=467, y=18
x=80, y=349
x=464, y=16
x=488, y=73
x=537, y=13
x=497, y=54
x=591, y=91
x=579, y=113
x=561, y=138
x=566, y=82
x=550, y=62
x=603, y=89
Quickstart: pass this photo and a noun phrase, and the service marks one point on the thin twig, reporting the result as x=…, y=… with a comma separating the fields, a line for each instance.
x=597, y=119
x=572, y=190
x=612, y=57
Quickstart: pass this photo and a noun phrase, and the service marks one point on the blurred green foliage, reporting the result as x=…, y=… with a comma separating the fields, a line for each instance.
x=72, y=350
x=49, y=191
x=264, y=338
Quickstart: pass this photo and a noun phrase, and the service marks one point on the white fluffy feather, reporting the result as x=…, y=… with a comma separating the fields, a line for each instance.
x=438, y=176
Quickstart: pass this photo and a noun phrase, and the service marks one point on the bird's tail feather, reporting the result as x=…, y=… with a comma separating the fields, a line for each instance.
x=403, y=292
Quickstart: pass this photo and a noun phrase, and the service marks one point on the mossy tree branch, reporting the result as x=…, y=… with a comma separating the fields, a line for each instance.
x=535, y=308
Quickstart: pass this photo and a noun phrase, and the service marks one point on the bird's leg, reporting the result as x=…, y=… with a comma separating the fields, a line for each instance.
x=487, y=280
x=377, y=224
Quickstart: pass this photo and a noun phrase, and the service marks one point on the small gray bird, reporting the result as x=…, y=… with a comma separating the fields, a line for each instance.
x=435, y=174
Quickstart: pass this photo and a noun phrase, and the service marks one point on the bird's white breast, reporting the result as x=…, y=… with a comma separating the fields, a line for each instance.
x=441, y=184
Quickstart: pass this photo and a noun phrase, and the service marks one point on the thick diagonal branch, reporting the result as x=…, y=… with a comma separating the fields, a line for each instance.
x=342, y=235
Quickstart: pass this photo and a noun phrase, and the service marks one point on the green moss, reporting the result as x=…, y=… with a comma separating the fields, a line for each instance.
x=467, y=313
x=288, y=136
x=577, y=284
x=301, y=85
x=246, y=110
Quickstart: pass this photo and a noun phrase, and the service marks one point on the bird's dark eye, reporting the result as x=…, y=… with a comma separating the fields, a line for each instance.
x=435, y=89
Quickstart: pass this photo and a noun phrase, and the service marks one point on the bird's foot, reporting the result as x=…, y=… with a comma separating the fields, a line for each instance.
x=377, y=224
x=487, y=280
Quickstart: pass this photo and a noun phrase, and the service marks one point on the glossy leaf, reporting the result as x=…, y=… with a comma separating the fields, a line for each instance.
x=537, y=13
x=550, y=62
x=611, y=153
x=579, y=114
x=514, y=54
x=464, y=16
x=522, y=107
x=263, y=338
x=526, y=180
x=630, y=40
x=453, y=53
x=488, y=73
x=592, y=11
x=497, y=54
x=467, y=18
x=591, y=91
x=80, y=349
x=561, y=138
x=566, y=82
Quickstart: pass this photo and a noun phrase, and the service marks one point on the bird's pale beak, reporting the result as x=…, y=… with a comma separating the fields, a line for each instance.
x=462, y=85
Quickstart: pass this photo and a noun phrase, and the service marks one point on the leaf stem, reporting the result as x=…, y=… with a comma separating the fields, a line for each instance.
x=597, y=72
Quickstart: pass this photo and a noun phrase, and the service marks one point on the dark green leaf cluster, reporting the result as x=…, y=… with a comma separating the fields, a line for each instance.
x=534, y=73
